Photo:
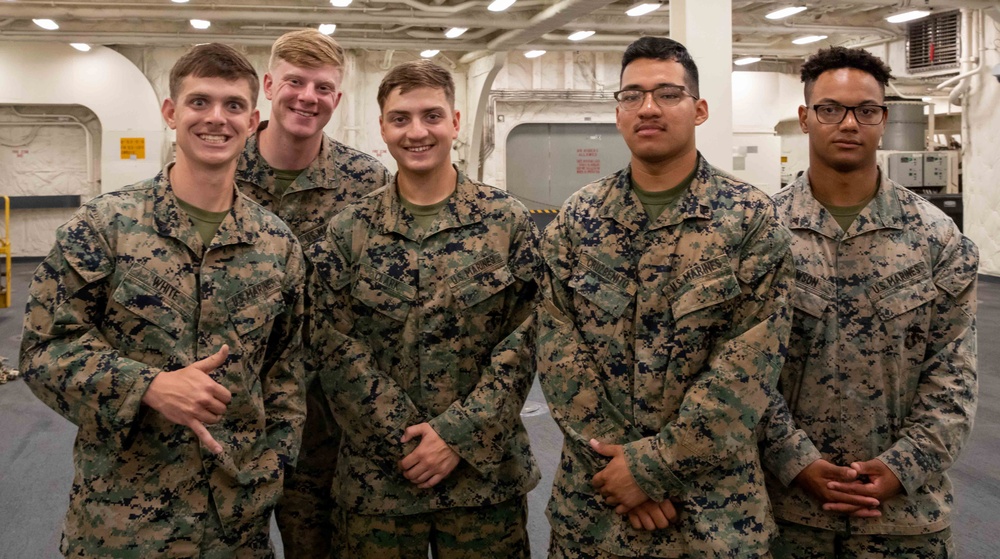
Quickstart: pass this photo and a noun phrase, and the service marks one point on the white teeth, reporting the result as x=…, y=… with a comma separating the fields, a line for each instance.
x=213, y=139
x=421, y=148
x=302, y=113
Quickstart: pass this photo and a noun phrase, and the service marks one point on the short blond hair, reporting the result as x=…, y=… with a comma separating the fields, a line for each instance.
x=307, y=48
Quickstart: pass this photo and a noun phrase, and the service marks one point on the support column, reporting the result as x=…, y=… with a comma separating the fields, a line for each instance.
x=706, y=29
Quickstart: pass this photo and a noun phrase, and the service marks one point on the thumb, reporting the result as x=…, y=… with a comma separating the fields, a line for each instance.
x=845, y=473
x=411, y=432
x=211, y=362
x=205, y=437
x=863, y=468
x=601, y=448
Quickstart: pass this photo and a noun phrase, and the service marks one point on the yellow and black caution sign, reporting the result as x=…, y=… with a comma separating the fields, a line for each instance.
x=544, y=211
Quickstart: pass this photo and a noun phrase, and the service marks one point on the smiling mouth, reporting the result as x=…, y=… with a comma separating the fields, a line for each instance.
x=419, y=149
x=303, y=113
x=213, y=138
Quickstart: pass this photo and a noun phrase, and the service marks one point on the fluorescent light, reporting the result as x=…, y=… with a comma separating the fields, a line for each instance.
x=534, y=53
x=46, y=24
x=179, y=1
x=907, y=16
x=580, y=35
x=201, y=23
x=746, y=60
x=340, y=3
x=327, y=28
x=785, y=12
x=809, y=39
x=500, y=5
x=429, y=53
x=455, y=32
x=82, y=47
x=642, y=9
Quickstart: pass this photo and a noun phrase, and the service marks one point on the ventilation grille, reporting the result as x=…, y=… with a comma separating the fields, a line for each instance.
x=933, y=43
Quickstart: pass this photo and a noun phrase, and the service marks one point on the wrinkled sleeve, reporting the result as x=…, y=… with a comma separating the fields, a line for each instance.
x=65, y=358
x=785, y=450
x=283, y=371
x=721, y=410
x=371, y=407
x=478, y=426
x=942, y=412
x=569, y=376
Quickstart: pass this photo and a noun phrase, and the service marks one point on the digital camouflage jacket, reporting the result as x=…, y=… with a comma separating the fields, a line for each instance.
x=433, y=327
x=665, y=337
x=128, y=291
x=882, y=357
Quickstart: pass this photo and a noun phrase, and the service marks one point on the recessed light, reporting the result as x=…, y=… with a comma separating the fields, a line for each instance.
x=907, y=16
x=429, y=53
x=746, y=60
x=500, y=5
x=340, y=3
x=808, y=39
x=82, y=47
x=642, y=9
x=327, y=28
x=785, y=12
x=201, y=23
x=580, y=35
x=179, y=1
x=46, y=24
x=534, y=53
x=455, y=32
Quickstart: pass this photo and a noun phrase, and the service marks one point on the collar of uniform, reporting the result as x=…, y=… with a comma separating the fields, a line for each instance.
x=463, y=208
x=235, y=229
x=883, y=212
x=254, y=169
x=623, y=206
x=806, y=212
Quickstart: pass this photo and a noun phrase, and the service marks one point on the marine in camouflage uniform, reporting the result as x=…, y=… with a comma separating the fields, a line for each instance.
x=129, y=291
x=660, y=337
x=881, y=371
x=431, y=328
x=305, y=73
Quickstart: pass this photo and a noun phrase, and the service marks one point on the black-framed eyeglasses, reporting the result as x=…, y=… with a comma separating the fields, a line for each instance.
x=663, y=96
x=863, y=114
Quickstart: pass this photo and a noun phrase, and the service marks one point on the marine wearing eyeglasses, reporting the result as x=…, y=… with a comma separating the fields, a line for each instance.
x=662, y=329
x=878, y=392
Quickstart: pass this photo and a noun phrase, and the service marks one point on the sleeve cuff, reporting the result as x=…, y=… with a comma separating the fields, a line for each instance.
x=905, y=460
x=461, y=435
x=647, y=468
x=792, y=457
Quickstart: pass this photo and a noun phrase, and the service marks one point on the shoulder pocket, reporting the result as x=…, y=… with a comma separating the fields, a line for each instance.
x=383, y=293
x=706, y=291
x=256, y=306
x=902, y=300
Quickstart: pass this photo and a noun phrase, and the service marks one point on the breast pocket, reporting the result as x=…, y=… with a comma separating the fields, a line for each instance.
x=481, y=286
x=148, y=312
x=252, y=313
x=610, y=296
x=383, y=294
x=905, y=314
x=705, y=293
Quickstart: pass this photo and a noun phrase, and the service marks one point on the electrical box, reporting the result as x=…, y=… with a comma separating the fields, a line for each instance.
x=924, y=172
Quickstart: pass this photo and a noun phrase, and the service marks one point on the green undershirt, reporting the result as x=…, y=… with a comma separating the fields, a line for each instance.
x=283, y=179
x=206, y=223
x=424, y=216
x=655, y=202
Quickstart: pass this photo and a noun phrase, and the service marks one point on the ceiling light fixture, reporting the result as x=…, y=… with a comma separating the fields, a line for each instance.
x=808, y=39
x=500, y=5
x=82, y=47
x=201, y=23
x=907, y=16
x=455, y=32
x=179, y=1
x=580, y=35
x=642, y=9
x=340, y=3
x=785, y=12
x=746, y=60
x=534, y=53
x=327, y=28
x=46, y=24
x=429, y=53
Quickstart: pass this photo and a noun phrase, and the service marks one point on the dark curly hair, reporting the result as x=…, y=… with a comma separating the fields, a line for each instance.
x=835, y=58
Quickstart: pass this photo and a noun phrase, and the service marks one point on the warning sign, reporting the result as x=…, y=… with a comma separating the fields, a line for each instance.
x=133, y=148
x=587, y=161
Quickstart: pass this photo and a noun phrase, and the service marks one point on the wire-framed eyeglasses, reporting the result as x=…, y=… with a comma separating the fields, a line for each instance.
x=663, y=96
x=864, y=114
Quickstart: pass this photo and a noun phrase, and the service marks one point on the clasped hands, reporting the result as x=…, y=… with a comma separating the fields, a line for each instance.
x=431, y=461
x=857, y=490
x=619, y=489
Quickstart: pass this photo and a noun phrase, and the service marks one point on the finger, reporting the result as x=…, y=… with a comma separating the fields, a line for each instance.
x=213, y=361
x=658, y=518
x=410, y=432
x=634, y=521
x=409, y=461
x=220, y=393
x=601, y=448
x=436, y=479
x=851, y=499
x=611, y=500
x=213, y=406
x=669, y=511
x=598, y=481
x=647, y=522
x=423, y=477
x=207, y=417
x=867, y=513
x=414, y=473
x=863, y=489
x=622, y=509
x=844, y=508
x=205, y=437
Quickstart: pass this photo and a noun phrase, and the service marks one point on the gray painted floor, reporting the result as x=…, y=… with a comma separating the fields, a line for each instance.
x=36, y=445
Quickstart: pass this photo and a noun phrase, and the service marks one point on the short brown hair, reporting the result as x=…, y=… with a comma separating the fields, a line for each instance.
x=306, y=48
x=417, y=73
x=214, y=60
